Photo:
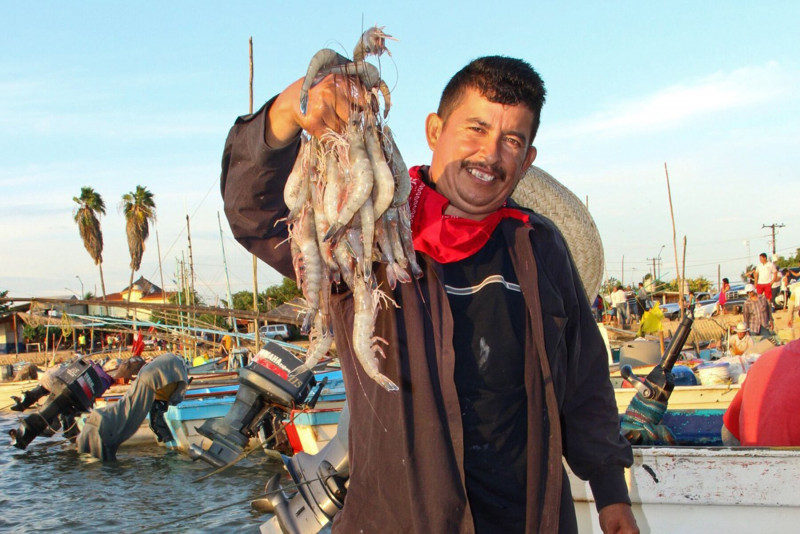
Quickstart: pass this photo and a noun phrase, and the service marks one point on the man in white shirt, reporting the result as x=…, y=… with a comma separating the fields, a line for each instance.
x=766, y=275
x=620, y=303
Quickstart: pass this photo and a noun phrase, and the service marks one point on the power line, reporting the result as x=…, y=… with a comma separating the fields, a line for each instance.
x=773, y=226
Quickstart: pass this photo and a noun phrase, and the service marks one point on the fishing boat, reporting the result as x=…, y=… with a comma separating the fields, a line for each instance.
x=705, y=489
x=309, y=430
x=700, y=397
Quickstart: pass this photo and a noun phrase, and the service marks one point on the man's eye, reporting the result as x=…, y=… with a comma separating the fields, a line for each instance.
x=513, y=141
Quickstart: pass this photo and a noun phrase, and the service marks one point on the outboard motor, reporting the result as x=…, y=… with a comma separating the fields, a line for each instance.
x=74, y=389
x=640, y=424
x=268, y=391
x=321, y=483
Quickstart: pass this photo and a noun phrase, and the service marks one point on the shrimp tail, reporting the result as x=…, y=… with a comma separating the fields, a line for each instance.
x=335, y=233
x=384, y=381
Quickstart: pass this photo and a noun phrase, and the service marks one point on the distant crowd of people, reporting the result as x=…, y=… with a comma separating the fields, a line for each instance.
x=764, y=284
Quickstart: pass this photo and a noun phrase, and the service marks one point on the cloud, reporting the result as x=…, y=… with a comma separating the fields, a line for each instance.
x=684, y=102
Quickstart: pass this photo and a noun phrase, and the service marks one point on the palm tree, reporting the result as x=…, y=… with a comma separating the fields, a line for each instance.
x=139, y=209
x=90, y=205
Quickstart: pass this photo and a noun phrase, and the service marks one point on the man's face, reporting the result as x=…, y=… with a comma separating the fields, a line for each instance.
x=479, y=154
x=741, y=334
x=762, y=259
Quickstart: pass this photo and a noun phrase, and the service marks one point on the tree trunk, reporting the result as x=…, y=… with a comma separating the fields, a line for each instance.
x=102, y=284
x=130, y=289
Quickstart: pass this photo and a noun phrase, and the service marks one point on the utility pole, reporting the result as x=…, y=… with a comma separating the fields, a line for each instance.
x=654, y=266
x=773, y=226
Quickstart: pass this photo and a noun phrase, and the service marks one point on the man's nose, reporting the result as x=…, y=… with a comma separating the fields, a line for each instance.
x=490, y=149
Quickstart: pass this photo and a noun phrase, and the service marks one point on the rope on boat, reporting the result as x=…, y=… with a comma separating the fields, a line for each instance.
x=217, y=509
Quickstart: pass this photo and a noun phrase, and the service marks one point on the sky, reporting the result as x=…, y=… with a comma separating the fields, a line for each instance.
x=113, y=95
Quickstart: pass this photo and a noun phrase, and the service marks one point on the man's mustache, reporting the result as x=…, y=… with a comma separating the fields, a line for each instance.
x=491, y=168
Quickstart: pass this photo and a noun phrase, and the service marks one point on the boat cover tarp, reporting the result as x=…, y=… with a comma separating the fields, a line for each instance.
x=106, y=428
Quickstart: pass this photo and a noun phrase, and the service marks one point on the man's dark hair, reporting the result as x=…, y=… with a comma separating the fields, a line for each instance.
x=763, y=255
x=500, y=79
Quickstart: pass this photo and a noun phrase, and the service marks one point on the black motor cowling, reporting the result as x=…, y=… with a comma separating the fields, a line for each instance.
x=74, y=390
x=266, y=385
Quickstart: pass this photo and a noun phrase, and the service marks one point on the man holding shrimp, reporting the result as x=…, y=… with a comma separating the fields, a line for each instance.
x=500, y=365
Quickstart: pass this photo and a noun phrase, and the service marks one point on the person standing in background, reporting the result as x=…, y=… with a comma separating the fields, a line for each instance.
x=766, y=275
x=723, y=296
x=620, y=304
x=641, y=301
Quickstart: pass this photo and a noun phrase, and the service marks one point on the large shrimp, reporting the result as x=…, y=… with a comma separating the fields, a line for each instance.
x=321, y=226
x=359, y=187
x=308, y=262
x=383, y=181
x=327, y=61
x=399, y=170
x=296, y=190
x=365, y=345
x=346, y=261
x=394, y=270
x=320, y=342
x=367, y=216
x=318, y=69
x=407, y=239
x=334, y=185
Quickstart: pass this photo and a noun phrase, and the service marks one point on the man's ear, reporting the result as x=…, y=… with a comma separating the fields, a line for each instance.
x=529, y=158
x=433, y=129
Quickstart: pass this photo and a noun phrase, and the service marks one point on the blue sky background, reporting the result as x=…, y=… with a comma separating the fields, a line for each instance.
x=114, y=94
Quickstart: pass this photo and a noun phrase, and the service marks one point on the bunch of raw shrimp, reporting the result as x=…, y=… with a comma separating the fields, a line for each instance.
x=348, y=206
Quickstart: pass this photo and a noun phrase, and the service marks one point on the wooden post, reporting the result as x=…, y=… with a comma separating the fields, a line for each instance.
x=161, y=271
x=16, y=339
x=675, y=245
x=255, y=260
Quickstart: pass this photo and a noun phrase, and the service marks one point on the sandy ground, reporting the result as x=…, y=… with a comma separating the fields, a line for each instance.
x=781, y=318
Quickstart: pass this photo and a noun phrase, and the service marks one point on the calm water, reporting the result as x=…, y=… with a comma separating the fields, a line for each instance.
x=49, y=487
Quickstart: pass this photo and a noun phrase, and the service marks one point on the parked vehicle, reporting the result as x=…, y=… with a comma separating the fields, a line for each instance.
x=281, y=332
x=672, y=310
x=706, y=308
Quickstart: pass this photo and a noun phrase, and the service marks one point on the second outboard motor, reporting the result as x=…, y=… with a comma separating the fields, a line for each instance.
x=321, y=483
x=266, y=385
x=74, y=390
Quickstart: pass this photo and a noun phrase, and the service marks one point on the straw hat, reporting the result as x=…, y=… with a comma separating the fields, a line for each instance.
x=741, y=327
x=545, y=195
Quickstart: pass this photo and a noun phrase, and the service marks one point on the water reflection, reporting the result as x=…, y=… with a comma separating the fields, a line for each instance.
x=49, y=487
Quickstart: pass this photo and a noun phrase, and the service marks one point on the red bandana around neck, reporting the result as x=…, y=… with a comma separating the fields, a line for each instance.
x=447, y=238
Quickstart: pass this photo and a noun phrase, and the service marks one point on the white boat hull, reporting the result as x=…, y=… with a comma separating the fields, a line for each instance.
x=696, y=489
x=687, y=397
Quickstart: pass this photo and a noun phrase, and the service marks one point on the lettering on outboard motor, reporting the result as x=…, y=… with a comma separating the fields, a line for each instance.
x=277, y=366
x=87, y=385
